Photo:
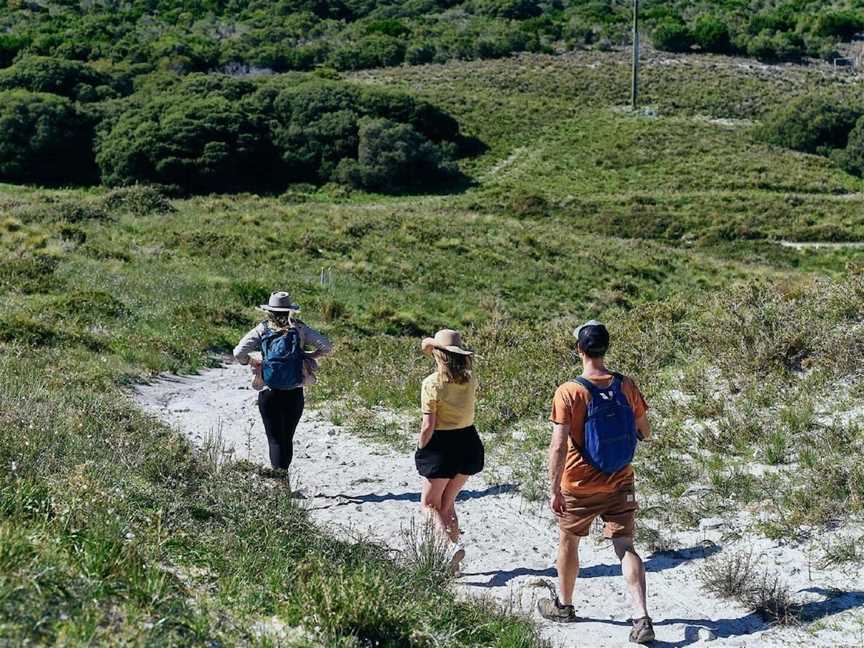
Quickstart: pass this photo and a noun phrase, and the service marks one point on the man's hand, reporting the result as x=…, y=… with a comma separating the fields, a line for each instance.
x=557, y=503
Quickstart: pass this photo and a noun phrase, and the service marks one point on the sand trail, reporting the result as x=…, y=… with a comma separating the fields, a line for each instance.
x=353, y=488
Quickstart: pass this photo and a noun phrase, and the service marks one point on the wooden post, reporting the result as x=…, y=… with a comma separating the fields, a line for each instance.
x=634, y=87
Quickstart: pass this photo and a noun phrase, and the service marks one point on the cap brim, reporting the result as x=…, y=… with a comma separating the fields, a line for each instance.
x=294, y=308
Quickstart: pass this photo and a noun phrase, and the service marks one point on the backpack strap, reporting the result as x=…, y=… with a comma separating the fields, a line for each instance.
x=587, y=384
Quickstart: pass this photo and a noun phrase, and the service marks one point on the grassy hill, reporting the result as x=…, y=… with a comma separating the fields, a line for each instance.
x=206, y=35
x=665, y=223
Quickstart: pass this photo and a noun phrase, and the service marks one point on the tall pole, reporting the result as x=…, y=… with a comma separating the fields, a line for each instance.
x=634, y=87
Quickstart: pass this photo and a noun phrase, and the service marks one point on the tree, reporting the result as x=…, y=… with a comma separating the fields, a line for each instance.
x=71, y=79
x=393, y=157
x=199, y=144
x=811, y=124
x=838, y=24
x=852, y=158
x=712, y=34
x=43, y=139
x=672, y=36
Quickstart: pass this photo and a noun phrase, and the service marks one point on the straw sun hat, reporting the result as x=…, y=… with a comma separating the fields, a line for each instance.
x=446, y=340
x=280, y=302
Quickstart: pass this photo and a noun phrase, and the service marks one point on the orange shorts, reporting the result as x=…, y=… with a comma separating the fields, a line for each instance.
x=616, y=509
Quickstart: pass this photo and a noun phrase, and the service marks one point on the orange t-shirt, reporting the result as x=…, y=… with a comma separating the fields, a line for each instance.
x=570, y=407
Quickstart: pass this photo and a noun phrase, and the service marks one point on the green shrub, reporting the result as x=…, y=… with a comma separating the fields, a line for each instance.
x=139, y=200
x=672, y=36
x=28, y=274
x=512, y=9
x=393, y=156
x=377, y=50
x=852, y=158
x=43, y=138
x=199, y=144
x=71, y=79
x=762, y=47
x=711, y=34
x=812, y=124
x=10, y=45
x=838, y=24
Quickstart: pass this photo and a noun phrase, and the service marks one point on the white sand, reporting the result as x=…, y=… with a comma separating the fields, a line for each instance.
x=354, y=488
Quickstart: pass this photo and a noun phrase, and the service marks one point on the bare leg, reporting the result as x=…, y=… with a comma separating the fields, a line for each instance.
x=634, y=573
x=449, y=521
x=430, y=498
x=568, y=566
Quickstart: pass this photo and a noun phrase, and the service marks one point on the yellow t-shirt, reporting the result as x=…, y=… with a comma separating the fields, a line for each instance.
x=452, y=403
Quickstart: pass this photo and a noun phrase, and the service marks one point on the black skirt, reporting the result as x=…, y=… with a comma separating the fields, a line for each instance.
x=450, y=453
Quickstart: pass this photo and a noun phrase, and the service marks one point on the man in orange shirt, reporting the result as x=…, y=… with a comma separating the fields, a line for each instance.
x=591, y=475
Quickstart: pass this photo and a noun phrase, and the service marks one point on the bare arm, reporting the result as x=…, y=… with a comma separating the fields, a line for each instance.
x=557, y=457
x=643, y=428
x=427, y=427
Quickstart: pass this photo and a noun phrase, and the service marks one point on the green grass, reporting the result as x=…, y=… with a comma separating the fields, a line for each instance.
x=112, y=530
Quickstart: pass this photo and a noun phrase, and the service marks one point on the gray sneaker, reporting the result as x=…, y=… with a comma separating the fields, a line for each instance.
x=552, y=610
x=643, y=631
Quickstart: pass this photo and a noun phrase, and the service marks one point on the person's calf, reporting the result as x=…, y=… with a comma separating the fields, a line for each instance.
x=633, y=570
x=568, y=566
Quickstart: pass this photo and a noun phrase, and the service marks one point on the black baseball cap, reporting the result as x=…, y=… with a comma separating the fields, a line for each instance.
x=592, y=337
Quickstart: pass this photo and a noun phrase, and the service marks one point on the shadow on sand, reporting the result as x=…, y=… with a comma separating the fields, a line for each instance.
x=654, y=563
x=377, y=498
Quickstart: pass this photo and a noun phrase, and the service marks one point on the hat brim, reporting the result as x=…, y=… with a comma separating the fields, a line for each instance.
x=429, y=343
x=293, y=308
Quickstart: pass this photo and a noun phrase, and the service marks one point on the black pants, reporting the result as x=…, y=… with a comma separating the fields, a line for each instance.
x=281, y=410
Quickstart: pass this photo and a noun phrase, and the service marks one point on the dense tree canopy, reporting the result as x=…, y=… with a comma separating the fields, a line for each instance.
x=213, y=132
x=43, y=138
x=351, y=34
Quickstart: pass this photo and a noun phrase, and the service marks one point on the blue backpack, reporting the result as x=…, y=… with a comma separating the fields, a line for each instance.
x=282, y=359
x=610, y=427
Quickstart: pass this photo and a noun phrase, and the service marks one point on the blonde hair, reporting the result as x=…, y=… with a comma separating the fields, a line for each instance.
x=281, y=321
x=452, y=367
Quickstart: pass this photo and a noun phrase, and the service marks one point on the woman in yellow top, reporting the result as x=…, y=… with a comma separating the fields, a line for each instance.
x=449, y=449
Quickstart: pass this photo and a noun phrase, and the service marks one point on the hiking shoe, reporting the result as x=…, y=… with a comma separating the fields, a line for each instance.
x=643, y=631
x=552, y=610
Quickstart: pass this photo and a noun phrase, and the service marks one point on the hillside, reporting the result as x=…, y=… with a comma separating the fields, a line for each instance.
x=666, y=223
x=352, y=34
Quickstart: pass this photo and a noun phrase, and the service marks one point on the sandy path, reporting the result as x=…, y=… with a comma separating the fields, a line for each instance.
x=356, y=488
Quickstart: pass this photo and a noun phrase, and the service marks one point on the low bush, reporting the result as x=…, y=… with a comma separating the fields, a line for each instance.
x=672, y=36
x=43, y=138
x=200, y=144
x=838, y=24
x=393, y=157
x=72, y=79
x=711, y=34
x=851, y=159
x=139, y=200
x=814, y=123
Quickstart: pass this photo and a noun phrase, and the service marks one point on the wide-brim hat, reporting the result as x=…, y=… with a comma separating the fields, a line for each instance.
x=280, y=302
x=446, y=340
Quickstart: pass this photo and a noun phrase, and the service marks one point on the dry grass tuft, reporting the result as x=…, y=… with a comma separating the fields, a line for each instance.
x=740, y=578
